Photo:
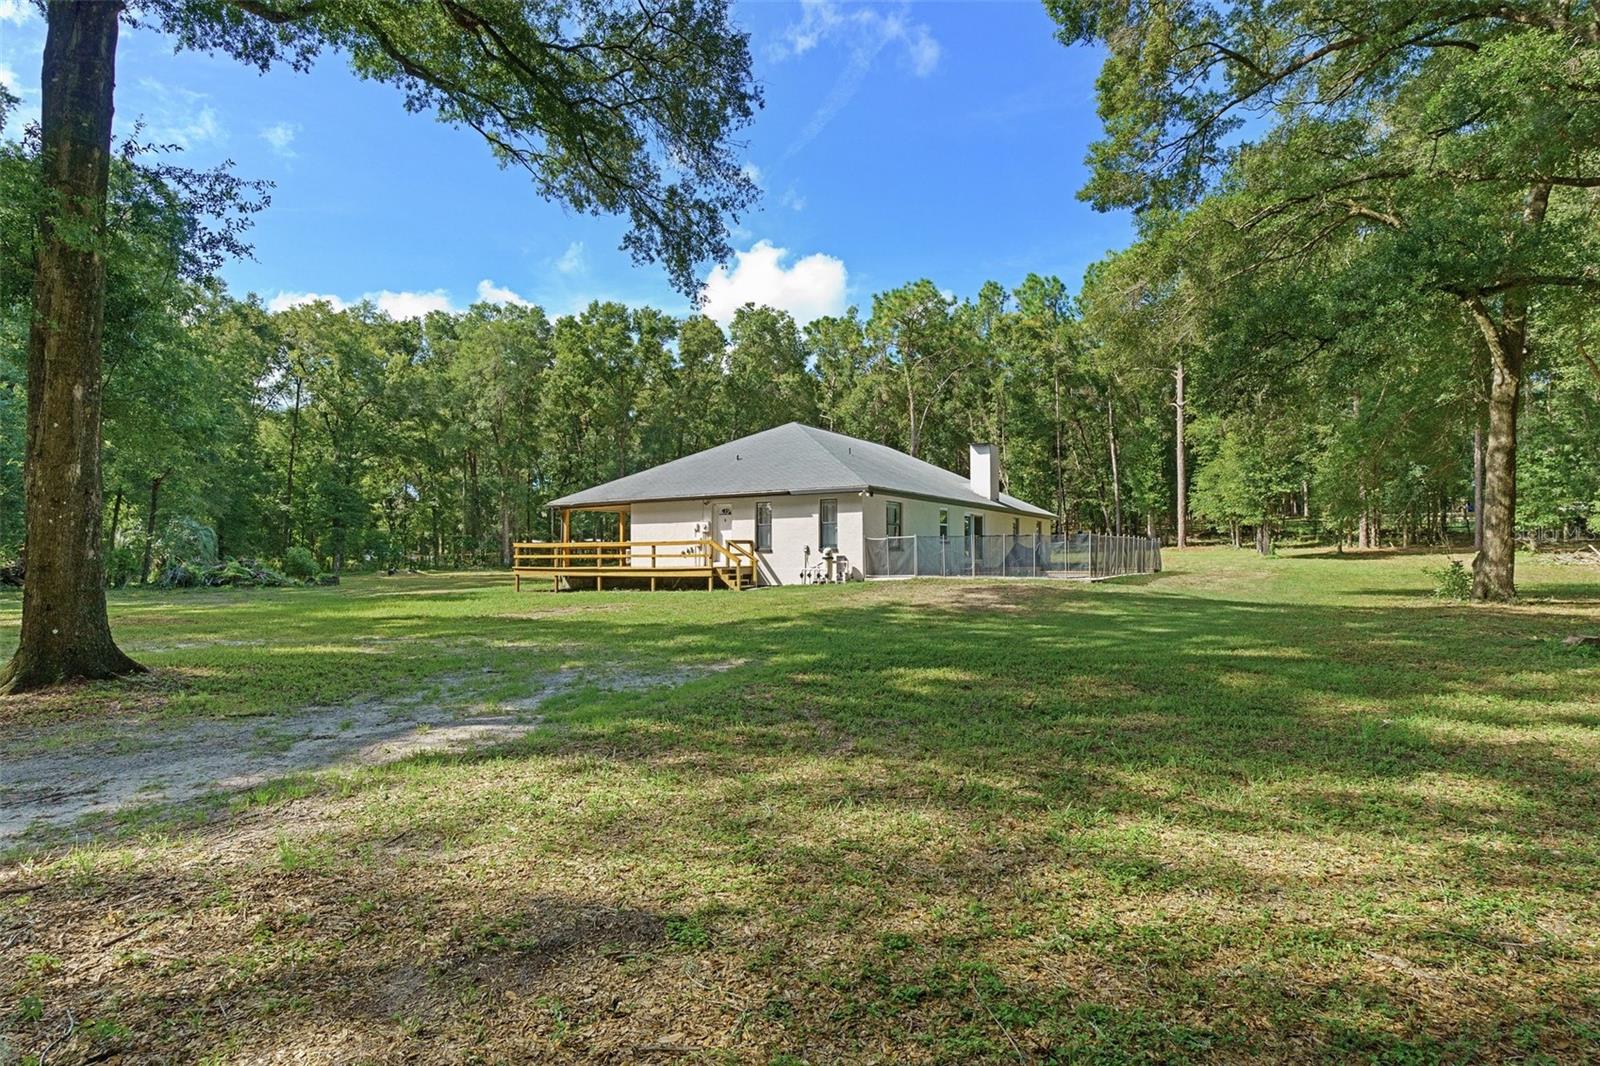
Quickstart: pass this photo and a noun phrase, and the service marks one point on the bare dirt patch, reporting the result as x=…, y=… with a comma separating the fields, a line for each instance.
x=55, y=775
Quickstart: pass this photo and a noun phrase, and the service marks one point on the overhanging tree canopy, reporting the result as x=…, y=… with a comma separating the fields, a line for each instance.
x=626, y=108
x=1459, y=136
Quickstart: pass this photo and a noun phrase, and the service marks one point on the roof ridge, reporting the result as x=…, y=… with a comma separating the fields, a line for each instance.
x=807, y=431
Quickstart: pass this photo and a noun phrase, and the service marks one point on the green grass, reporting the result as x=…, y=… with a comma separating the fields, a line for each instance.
x=1248, y=809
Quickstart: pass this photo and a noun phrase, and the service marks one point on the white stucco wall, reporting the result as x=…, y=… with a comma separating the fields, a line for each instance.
x=920, y=518
x=671, y=520
x=794, y=529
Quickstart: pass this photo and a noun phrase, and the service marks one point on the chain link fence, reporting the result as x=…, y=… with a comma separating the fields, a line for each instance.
x=1078, y=555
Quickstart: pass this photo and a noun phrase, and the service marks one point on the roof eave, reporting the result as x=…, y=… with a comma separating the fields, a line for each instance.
x=975, y=501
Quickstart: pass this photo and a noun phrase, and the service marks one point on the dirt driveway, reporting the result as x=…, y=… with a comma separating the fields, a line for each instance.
x=51, y=777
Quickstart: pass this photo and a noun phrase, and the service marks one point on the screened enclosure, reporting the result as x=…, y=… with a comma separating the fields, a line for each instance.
x=1077, y=555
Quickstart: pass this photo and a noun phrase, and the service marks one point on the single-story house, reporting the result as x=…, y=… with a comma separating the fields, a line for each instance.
x=797, y=495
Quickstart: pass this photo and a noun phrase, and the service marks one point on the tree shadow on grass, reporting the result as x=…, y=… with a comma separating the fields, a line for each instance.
x=944, y=828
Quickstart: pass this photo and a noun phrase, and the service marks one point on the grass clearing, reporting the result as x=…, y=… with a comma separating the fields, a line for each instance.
x=1247, y=809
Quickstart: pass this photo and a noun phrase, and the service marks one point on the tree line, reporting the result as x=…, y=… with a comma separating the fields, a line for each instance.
x=437, y=441
x=1361, y=298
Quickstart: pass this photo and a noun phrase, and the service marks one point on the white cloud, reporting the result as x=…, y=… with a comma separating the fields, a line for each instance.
x=753, y=172
x=818, y=19
x=572, y=260
x=490, y=293
x=921, y=49
x=792, y=199
x=410, y=304
x=22, y=35
x=867, y=32
x=285, y=300
x=812, y=287
x=178, y=116
x=393, y=304
x=280, y=135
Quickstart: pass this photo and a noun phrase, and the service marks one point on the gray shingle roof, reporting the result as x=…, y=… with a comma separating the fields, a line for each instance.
x=793, y=460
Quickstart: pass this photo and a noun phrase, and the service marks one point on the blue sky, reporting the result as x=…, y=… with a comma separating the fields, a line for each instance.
x=899, y=141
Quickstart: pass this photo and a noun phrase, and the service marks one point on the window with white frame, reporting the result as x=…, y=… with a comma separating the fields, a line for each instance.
x=828, y=524
x=892, y=526
x=763, y=526
x=944, y=524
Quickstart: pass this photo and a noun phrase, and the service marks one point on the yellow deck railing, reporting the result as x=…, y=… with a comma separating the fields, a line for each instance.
x=734, y=561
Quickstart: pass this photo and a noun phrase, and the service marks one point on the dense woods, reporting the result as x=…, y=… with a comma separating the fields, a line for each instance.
x=436, y=442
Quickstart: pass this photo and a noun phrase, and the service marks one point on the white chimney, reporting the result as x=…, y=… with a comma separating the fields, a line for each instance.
x=984, y=471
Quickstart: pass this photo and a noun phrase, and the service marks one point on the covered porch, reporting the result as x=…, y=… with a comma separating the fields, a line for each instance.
x=573, y=564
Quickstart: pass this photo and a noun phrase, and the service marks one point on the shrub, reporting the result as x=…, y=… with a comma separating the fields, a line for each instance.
x=232, y=572
x=122, y=566
x=300, y=564
x=178, y=576
x=187, y=541
x=269, y=578
x=1453, y=582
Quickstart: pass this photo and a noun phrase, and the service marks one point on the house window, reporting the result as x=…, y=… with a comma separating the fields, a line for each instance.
x=1016, y=526
x=828, y=524
x=891, y=524
x=944, y=524
x=763, y=526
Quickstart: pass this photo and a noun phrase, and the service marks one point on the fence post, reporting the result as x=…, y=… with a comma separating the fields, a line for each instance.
x=915, y=568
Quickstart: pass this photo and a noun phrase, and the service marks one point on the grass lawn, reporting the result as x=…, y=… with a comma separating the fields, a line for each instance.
x=1247, y=809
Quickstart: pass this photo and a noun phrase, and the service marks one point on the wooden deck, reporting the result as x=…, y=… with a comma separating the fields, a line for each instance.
x=732, y=565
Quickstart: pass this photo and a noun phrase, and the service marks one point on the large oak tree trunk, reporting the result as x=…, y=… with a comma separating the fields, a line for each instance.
x=1477, y=487
x=1494, y=567
x=65, y=633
